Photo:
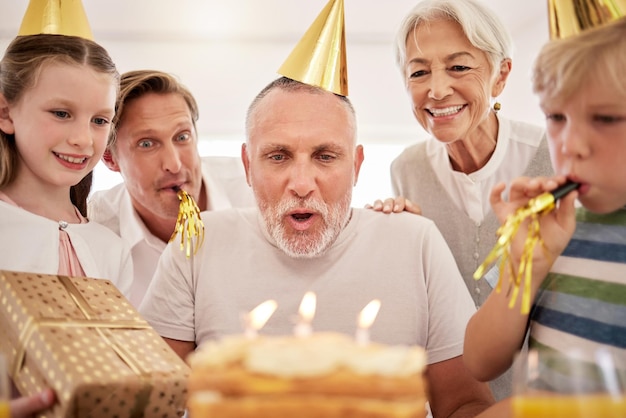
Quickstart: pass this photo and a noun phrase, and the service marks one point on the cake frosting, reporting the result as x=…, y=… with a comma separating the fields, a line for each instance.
x=317, y=355
x=325, y=374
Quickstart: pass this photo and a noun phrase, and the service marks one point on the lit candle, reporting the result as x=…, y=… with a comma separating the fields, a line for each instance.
x=366, y=319
x=256, y=318
x=306, y=312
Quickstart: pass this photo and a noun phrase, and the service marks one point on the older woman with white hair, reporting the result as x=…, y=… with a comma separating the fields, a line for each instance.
x=455, y=58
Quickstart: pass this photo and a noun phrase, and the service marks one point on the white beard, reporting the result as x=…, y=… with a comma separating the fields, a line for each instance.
x=306, y=244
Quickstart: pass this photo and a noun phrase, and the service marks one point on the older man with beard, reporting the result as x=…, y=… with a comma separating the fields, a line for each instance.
x=302, y=161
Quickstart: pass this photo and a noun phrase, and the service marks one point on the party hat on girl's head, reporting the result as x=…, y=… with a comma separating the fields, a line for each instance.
x=61, y=17
x=570, y=17
x=319, y=59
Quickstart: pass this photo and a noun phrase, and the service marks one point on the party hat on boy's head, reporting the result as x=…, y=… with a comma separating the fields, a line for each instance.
x=570, y=17
x=61, y=17
x=319, y=59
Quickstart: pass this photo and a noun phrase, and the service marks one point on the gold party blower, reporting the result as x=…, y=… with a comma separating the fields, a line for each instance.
x=188, y=223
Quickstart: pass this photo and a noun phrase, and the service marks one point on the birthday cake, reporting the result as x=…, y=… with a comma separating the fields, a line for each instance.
x=322, y=375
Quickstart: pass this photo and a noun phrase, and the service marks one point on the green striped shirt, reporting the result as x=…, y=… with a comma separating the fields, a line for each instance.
x=581, y=306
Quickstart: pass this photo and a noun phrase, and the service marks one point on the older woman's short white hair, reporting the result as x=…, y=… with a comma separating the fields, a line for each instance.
x=482, y=27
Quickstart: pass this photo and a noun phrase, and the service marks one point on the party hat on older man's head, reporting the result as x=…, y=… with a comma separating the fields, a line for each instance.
x=319, y=59
x=570, y=17
x=60, y=17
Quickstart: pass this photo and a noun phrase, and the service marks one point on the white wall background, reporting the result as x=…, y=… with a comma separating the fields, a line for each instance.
x=225, y=51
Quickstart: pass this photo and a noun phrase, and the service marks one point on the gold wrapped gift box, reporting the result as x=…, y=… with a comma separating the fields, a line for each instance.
x=82, y=338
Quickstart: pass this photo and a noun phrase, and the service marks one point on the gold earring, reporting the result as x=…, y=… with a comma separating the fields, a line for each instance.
x=497, y=106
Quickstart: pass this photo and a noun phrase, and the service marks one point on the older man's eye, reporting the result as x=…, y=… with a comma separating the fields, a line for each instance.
x=326, y=157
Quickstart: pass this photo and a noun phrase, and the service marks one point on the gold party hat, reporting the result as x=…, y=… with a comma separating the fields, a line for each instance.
x=319, y=59
x=61, y=17
x=570, y=17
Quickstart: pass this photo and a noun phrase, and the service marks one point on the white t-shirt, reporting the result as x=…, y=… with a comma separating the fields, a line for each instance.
x=400, y=259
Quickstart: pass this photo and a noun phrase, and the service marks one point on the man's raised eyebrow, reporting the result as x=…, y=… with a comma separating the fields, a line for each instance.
x=141, y=133
x=150, y=132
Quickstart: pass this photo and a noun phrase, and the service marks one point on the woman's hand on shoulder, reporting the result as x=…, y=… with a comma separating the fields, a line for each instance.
x=397, y=205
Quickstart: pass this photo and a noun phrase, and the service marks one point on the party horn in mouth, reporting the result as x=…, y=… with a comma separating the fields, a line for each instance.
x=188, y=223
x=537, y=206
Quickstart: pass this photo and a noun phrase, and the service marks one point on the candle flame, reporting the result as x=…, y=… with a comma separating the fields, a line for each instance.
x=261, y=314
x=307, y=307
x=368, y=314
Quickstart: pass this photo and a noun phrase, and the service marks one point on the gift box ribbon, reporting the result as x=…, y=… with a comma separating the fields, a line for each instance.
x=90, y=321
x=101, y=326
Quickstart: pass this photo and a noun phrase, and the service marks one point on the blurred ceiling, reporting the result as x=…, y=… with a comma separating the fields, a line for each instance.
x=243, y=20
x=225, y=51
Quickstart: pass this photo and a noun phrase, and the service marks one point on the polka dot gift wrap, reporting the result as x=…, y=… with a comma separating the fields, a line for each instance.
x=82, y=338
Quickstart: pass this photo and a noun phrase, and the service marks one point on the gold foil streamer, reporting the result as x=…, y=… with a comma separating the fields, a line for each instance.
x=570, y=17
x=319, y=58
x=536, y=207
x=188, y=224
x=60, y=17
